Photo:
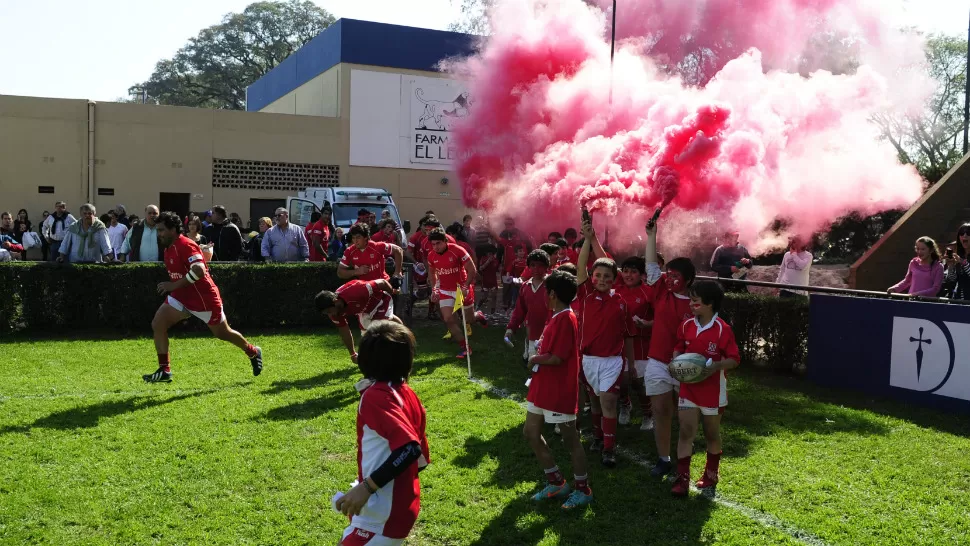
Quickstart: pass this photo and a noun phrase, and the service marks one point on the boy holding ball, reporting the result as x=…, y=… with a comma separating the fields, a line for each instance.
x=710, y=336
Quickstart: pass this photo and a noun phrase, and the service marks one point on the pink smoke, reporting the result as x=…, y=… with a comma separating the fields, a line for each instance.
x=753, y=143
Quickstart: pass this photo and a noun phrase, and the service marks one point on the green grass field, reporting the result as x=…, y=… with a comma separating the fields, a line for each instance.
x=91, y=455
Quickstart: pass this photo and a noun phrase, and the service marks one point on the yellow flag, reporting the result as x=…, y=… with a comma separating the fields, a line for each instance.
x=459, y=300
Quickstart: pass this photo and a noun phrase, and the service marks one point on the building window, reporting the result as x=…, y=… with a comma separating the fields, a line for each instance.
x=273, y=176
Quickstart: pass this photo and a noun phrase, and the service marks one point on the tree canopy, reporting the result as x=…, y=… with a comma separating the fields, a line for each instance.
x=214, y=68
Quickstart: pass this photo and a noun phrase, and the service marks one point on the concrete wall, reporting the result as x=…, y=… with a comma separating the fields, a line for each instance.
x=43, y=142
x=143, y=150
x=937, y=214
x=317, y=97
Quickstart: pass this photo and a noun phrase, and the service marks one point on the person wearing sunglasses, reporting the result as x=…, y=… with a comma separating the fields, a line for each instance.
x=285, y=242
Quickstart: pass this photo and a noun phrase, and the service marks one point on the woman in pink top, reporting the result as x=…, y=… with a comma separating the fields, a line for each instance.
x=925, y=274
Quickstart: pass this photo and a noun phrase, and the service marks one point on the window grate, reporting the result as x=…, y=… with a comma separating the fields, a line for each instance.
x=272, y=176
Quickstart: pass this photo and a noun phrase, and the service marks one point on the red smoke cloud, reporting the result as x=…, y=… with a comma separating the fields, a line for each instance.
x=748, y=143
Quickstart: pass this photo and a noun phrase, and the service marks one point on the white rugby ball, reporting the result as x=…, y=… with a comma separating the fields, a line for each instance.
x=688, y=367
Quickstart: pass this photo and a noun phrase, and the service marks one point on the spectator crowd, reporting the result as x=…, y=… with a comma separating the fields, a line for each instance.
x=500, y=256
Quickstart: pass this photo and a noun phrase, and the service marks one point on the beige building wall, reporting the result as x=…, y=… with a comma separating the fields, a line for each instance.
x=43, y=142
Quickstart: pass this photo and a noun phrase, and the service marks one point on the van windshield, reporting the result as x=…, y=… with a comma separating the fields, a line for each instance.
x=345, y=215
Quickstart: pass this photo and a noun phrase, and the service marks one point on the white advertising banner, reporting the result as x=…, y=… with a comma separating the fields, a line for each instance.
x=435, y=105
x=404, y=121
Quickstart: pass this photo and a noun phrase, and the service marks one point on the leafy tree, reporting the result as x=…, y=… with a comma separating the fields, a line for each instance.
x=214, y=68
x=474, y=17
x=932, y=139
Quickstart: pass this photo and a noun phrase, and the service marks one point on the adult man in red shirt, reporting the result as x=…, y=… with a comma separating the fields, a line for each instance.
x=317, y=234
x=364, y=259
x=191, y=292
x=369, y=300
x=605, y=326
x=446, y=264
x=531, y=306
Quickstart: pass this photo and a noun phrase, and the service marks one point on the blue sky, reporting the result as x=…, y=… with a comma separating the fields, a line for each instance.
x=96, y=49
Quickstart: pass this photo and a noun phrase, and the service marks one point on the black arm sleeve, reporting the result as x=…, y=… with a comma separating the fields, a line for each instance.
x=400, y=459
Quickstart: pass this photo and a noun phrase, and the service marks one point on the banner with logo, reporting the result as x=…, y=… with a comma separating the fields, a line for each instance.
x=912, y=351
x=435, y=105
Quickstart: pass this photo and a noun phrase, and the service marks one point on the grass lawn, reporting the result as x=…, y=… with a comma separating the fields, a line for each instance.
x=91, y=455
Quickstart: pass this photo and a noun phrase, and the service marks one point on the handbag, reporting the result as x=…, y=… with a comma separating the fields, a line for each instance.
x=31, y=240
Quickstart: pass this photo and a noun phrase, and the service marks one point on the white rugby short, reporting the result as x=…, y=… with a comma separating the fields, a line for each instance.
x=684, y=403
x=657, y=379
x=447, y=299
x=640, y=366
x=551, y=417
x=355, y=536
x=205, y=316
x=383, y=311
x=603, y=373
x=531, y=348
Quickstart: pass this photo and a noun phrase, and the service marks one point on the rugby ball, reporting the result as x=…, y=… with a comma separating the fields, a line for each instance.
x=688, y=368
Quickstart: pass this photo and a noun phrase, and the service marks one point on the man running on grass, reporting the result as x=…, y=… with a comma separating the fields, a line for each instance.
x=191, y=292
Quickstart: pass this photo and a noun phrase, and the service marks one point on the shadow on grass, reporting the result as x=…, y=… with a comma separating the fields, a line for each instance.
x=838, y=409
x=627, y=508
x=310, y=409
x=347, y=374
x=91, y=415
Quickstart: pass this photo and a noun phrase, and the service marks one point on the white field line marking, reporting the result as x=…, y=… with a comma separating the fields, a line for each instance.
x=758, y=516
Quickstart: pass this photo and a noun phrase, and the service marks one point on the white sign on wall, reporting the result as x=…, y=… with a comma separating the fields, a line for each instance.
x=435, y=105
x=404, y=121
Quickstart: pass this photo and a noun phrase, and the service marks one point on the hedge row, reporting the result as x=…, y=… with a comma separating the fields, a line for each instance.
x=53, y=298
x=43, y=298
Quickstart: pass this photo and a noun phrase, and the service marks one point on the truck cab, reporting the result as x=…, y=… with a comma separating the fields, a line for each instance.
x=345, y=202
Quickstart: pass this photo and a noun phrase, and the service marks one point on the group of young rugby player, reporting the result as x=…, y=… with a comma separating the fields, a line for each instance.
x=595, y=330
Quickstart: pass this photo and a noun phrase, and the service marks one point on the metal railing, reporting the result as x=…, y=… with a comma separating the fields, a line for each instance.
x=833, y=290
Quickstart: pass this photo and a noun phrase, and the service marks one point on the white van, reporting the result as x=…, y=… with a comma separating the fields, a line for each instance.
x=345, y=203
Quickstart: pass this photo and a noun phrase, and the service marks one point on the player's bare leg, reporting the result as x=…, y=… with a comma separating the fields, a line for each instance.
x=532, y=430
x=609, y=402
x=663, y=414
x=582, y=494
x=224, y=332
x=166, y=317
x=687, y=419
x=451, y=321
x=712, y=436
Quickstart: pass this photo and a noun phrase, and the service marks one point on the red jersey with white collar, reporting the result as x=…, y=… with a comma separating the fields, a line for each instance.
x=449, y=267
x=202, y=295
x=638, y=302
x=556, y=388
x=361, y=297
x=389, y=417
x=605, y=322
x=715, y=340
x=414, y=243
x=373, y=256
x=530, y=308
x=670, y=310
x=427, y=249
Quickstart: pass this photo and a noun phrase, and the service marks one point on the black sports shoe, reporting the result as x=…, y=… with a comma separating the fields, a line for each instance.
x=257, y=362
x=609, y=459
x=597, y=445
x=662, y=468
x=160, y=376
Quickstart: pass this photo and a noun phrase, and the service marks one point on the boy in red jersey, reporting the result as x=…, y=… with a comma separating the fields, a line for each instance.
x=191, y=292
x=605, y=328
x=414, y=242
x=392, y=448
x=488, y=267
x=671, y=307
x=637, y=297
x=707, y=335
x=531, y=307
x=450, y=269
x=554, y=392
x=364, y=259
x=369, y=300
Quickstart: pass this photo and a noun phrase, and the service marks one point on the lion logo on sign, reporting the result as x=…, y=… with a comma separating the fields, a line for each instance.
x=439, y=114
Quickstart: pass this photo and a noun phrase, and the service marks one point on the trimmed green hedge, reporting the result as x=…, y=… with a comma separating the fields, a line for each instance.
x=54, y=298
x=769, y=331
x=50, y=298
